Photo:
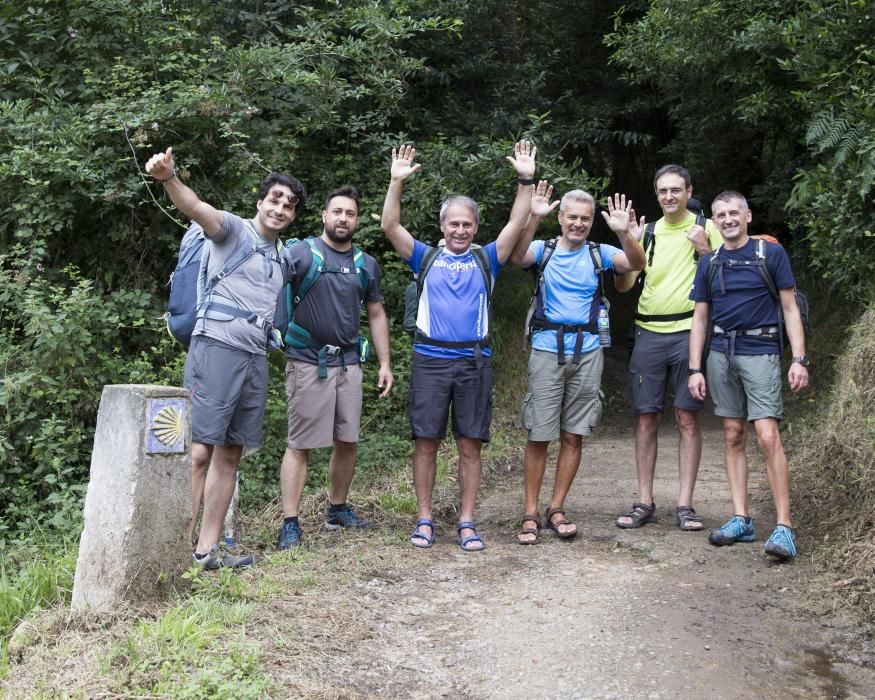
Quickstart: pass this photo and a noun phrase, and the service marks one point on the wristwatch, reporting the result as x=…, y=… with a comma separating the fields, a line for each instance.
x=694, y=370
x=804, y=361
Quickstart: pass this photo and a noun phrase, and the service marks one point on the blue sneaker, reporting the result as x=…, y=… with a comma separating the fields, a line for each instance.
x=781, y=543
x=738, y=529
x=290, y=536
x=344, y=516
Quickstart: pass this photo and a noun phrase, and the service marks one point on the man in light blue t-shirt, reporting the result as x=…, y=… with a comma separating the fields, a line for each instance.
x=451, y=356
x=565, y=367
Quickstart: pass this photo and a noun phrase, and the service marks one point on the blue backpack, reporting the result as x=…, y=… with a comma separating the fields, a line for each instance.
x=190, y=289
x=296, y=336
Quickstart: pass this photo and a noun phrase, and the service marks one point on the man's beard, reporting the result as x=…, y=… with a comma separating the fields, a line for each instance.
x=333, y=235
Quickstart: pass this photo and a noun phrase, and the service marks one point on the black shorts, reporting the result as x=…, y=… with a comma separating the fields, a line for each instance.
x=437, y=382
x=660, y=361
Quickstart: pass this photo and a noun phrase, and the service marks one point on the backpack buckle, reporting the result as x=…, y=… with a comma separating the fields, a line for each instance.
x=332, y=350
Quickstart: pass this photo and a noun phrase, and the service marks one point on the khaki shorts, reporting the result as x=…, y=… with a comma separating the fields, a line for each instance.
x=565, y=397
x=321, y=411
x=753, y=389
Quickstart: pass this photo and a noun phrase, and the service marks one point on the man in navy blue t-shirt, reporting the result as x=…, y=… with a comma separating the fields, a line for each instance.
x=451, y=356
x=744, y=362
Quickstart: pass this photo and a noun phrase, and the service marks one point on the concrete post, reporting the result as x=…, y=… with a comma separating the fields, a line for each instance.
x=138, y=505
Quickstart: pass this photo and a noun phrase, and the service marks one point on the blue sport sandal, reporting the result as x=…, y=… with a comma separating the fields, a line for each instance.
x=463, y=542
x=781, y=543
x=738, y=529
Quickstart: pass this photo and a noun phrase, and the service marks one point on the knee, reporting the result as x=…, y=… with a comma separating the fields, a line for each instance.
x=733, y=436
x=648, y=424
x=570, y=441
x=769, y=440
x=688, y=422
x=200, y=456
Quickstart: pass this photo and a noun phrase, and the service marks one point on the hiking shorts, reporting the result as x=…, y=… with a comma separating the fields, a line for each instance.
x=436, y=383
x=321, y=411
x=228, y=389
x=660, y=361
x=562, y=397
x=752, y=388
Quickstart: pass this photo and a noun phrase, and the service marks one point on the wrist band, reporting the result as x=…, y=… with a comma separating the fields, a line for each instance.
x=168, y=179
x=525, y=181
x=694, y=370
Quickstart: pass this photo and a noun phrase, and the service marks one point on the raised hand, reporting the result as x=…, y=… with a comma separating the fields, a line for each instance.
x=636, y=228
x=523, y=159
x=541, y=205
x=402, y=162
x=160, y=166
x=618, y=214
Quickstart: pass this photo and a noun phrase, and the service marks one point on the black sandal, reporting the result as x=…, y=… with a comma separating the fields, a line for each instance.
x=564, y=521
x=529, y=530
x=640, y=514
x=687, y=520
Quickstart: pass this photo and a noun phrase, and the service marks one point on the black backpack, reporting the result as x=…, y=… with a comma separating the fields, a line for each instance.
x=759, y=263
x=537, y=321
x=413, y=293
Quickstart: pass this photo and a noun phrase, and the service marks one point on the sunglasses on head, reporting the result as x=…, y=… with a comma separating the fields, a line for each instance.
x=279, y=194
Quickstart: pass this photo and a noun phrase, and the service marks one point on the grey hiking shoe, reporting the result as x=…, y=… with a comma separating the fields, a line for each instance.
x=218, y=559
x=336, y=518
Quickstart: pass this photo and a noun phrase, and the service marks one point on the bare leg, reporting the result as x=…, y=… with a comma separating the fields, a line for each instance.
x=424, y=469
x=736, y=463
x=689, y=454
x=534, y=466
x=293, y=479
x=341, y=469
x=200, y=462
x=470, y=470
x=646, y=430
x=778, y=471
x=570, y=448
x=218, y=490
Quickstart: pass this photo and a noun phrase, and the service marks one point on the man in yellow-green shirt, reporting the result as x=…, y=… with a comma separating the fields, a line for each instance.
x=660, y=357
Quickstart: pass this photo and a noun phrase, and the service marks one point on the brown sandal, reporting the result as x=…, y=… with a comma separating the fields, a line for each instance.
x=529, y=530
x=554, y=526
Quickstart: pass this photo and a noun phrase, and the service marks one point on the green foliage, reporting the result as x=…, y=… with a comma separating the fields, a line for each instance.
x=32, y=575
x=197, y=649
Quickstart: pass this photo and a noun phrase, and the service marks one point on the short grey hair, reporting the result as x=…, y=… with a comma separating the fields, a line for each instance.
x=728, y=196
x=463, y=201
x=576, y=196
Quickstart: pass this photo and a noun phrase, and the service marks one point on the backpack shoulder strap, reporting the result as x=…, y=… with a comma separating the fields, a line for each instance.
x=236, y=259
x=649, y=241
x=316, y=263
x=358, y=259
x=595, y=253
x=760, y=246
x=713, y=263
x=483, y=263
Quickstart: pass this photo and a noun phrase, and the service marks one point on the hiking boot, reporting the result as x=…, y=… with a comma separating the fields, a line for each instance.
x=218, y=559
x=738, y=529
x=290, y=536
x=336, y=518
x=781, y=543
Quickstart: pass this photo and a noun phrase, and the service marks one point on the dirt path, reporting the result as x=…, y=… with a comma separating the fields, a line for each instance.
x=653, y=613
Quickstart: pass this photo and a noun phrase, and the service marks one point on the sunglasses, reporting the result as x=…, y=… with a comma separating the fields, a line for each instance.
x=280, y=195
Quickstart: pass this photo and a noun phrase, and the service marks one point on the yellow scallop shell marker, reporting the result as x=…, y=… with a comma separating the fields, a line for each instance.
x=167, y=426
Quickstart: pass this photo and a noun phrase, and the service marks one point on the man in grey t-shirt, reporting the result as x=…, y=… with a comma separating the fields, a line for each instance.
x=323, y=376
x=226, y=365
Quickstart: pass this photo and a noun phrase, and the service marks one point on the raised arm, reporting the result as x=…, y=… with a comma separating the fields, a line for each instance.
x=797, y=376
x=619, y=216
x=402, y=168
x=523, y=162
x=624, y=282
x=540, y=207
x=161, y=167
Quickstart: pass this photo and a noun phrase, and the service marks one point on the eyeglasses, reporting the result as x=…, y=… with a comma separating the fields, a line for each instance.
x=280, y=195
